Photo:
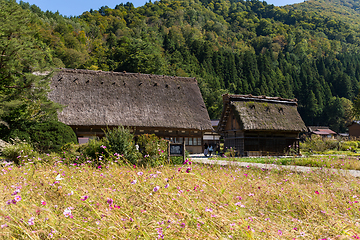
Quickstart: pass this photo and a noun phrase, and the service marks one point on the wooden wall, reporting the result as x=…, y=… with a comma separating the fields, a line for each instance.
x=193, y=138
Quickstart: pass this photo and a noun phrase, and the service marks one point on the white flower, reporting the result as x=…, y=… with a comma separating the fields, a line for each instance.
x=67, y=212
x=58, y=177
x=31, y=221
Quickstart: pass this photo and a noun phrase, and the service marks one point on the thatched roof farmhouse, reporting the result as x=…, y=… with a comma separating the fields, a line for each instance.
x=170, y=107
x=260, y=125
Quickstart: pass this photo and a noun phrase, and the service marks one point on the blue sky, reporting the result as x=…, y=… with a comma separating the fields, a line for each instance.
x=77, y=7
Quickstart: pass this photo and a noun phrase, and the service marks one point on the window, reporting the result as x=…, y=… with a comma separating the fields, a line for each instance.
x=192, y=141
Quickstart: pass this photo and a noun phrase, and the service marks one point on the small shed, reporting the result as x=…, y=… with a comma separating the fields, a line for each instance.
x=323, y=131
x=169, y=107
x=260, y=125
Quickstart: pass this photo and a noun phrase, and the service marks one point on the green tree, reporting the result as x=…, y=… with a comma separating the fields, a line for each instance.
x=23, y=94
x=356, y=106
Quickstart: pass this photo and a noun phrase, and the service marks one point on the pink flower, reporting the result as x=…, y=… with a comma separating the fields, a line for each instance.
x=156, y=188
x=208, y=210
x=4, y=225
x=317, y=192
x=166, y=186
x=110, y=201
x=15, y=192
x=140, y=173
x=31, y=221
x=133, y=182
x=17, y=198
x=280, y=232
x=43, y=203
x=102, y=146
x=84, y=197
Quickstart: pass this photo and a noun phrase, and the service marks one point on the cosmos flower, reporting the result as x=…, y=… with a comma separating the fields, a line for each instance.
x=31, y=221
x=84, y=197
x=17, y=198
x=67, y=212
x=58, y=177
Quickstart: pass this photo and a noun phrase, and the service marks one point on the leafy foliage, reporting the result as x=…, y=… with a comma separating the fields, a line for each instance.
x=94, y=150
x=241, y=47
x=50, y=136
x=153, y=149
x=23, y=95
x=17, y=151
x=47, y=136
x=120, y=141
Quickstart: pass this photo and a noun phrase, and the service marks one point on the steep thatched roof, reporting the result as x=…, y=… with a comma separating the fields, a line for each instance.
x=96, y=98
x=263, y=113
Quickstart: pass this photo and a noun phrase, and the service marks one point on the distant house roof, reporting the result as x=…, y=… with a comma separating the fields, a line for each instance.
x=263, y=113
x=97, y=98
x=321, y=130
x=214, y=123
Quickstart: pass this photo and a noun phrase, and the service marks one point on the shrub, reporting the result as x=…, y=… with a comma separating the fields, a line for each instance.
x=348, y=145
x=3, y=144
x=318, y=144
x=70, y=153
x=14, y=133
x=51, y=136
x=153, y=149
x=230, y=152
x=95, y=149
x=120, y=141
x=18, y=151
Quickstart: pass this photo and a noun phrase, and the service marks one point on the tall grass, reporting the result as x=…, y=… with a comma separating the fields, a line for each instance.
x=326, y=161
x=57, y=201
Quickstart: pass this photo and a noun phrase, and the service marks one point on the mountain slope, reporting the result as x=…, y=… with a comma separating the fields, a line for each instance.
x=242, y=47
x=345, y=10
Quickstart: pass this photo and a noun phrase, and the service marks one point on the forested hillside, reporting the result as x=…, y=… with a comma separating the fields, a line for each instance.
x=242, y=47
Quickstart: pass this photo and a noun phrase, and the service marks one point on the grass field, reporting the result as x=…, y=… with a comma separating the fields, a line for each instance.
x=326, y=161
x=59, y=201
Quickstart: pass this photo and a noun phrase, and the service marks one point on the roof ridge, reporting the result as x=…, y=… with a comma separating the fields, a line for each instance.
x=87, y=71
x=263, y=98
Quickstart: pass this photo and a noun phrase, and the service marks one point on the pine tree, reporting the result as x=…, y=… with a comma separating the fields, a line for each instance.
x=23, y=94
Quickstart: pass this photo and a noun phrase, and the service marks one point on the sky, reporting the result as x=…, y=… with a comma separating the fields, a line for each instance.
x=77, y=7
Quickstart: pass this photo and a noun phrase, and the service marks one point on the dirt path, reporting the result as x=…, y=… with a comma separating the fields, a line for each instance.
x=205, y=160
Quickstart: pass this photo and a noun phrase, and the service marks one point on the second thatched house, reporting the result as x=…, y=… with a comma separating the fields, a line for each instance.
x=260, y=125
x=170, y=107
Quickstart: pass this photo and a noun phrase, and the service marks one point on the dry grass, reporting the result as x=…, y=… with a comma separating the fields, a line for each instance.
x=324, y=161
x=204, y=203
